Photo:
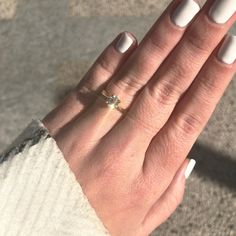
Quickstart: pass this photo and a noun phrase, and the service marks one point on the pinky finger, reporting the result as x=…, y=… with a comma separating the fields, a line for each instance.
x=170, y=200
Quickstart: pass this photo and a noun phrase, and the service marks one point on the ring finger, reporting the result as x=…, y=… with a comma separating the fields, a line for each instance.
x=106, y=65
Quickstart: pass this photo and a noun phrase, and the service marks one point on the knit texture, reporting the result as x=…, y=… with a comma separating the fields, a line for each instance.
x=39, y=194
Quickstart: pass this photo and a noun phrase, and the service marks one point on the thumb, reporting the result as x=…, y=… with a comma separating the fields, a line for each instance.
x=170, y=199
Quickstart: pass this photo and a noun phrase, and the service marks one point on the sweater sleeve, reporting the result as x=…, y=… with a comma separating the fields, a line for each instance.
x=39, y=194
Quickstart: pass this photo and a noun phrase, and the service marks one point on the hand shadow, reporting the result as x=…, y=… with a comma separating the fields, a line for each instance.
x=218, y=167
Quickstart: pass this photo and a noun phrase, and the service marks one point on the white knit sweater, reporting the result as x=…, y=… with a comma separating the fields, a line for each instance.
x=39, y=194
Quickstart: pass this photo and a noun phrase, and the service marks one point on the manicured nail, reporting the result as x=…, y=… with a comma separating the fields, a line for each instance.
x=124, y=43
x=227, y=52
x=222, y=10
x=185, y=12
x=189, y=168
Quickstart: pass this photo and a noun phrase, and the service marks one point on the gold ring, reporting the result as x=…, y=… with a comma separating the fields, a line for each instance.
x=112, y=101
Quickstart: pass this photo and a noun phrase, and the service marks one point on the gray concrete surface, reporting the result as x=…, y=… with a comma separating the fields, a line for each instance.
x=45, y=48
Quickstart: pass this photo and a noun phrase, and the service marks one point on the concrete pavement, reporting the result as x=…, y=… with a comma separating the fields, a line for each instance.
x=45, y=48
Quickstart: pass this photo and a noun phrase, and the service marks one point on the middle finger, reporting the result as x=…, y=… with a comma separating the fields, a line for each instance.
x=155, y=104
x=152, y=51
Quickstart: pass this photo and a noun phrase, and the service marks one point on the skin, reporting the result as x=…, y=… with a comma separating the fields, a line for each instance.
x=131, y=166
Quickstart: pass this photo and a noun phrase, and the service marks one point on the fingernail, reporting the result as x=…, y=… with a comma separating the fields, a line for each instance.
x=189, y=168
x=227, y=52
x=124, y=43
x=222, y=10
x=185, y=12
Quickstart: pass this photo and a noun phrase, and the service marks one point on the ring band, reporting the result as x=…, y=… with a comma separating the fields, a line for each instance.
x=112, y=101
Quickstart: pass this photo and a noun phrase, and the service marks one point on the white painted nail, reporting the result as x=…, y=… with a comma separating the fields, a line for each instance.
x=222, y=10
x=227, y=52
x=189, y=168
x=185, y=12
x=124, y=43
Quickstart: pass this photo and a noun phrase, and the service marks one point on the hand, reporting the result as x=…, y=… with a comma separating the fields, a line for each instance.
x=132, y=166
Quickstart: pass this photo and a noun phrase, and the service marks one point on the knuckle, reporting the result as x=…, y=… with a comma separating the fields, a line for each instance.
x=131, y=83
x=181, y=70
x=157, y=37
x=105, y=65
x=196, y=43
x=210, y=84
x=164, y=93
x=158, y=44
x=189, y=124
x=141, y=124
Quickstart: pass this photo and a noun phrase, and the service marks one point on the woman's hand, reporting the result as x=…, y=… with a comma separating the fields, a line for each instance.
x=132, y=166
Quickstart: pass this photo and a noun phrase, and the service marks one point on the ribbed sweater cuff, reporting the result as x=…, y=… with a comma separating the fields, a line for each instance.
x=39, y=194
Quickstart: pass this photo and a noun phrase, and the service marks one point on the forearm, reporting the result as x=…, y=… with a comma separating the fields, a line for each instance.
x=38, y=192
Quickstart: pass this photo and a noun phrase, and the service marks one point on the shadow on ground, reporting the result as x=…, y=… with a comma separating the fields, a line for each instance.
x=47, y=46
x=218, y=167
